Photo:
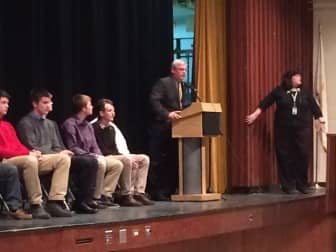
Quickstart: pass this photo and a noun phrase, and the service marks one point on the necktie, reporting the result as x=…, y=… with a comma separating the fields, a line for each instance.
x=180, y=93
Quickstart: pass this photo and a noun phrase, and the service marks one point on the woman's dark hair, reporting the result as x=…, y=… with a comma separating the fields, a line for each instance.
x=286, y=79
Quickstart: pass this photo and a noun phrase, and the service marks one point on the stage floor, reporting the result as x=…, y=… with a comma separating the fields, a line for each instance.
x=160, y=210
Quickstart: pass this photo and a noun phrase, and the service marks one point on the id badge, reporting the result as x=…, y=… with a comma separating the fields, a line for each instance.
x=294, y=110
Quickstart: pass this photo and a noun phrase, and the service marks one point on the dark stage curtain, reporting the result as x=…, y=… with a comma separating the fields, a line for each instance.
x=104, y=48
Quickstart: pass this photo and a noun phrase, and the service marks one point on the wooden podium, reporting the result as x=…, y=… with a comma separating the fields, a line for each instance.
x=199, y=122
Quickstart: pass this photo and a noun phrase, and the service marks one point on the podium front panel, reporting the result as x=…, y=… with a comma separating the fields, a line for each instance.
x=192, y=166
x=210, y=124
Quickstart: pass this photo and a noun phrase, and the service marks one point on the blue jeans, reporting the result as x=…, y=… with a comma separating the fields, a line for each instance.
x=10, y=186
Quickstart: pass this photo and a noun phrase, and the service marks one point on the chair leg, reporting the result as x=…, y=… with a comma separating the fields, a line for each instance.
x=70, y=198
x=4, y=204
x=44, y=192
x=66, y=205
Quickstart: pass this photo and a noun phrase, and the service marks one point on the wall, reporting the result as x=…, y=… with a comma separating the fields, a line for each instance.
x=325, y=15
x=324, y=25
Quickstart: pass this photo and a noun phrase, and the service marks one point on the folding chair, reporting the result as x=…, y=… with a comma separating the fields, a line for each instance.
x=45, y=181
x=4, y=206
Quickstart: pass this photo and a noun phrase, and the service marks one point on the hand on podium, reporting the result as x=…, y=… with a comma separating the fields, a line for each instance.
x=174, y=115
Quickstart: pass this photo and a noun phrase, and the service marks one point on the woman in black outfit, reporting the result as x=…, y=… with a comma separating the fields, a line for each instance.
x=293, y=116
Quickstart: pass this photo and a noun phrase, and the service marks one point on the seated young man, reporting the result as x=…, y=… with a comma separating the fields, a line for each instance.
x=10, y=189
x=112, y=143
x=37, y=132
x=80, y=139
x=32, y=162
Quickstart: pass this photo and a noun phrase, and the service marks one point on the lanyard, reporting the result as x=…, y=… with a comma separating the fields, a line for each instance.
x=294, y=96
x=294, y=108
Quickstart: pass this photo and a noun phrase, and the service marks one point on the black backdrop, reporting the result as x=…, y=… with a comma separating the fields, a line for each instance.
x=104, y=48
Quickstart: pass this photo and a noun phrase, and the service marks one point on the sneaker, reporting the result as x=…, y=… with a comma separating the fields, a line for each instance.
x=38, y=212
x=128, y=200
x=19, y=214
x=143, y=199
x=55, y=210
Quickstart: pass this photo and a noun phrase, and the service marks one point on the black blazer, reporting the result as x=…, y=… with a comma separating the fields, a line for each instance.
x=164, y=98
x=306, y=107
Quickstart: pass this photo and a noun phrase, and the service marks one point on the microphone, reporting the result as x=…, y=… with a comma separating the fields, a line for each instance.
x=196, y=97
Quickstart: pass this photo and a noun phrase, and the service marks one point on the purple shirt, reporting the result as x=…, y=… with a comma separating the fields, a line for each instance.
x=79, y=136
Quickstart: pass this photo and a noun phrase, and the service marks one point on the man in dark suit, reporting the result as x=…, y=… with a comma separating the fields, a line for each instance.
x=166, y=103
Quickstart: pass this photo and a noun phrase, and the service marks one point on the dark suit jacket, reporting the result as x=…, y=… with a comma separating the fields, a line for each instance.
x=164, y=99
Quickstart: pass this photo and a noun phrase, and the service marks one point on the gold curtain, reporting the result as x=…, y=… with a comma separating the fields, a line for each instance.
x=210, y=77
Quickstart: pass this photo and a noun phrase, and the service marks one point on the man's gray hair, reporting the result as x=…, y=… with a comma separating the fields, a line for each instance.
x=177, y=62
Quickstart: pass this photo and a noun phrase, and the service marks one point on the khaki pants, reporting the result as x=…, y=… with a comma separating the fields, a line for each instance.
x=133, y=178
x=31, y=167
x=108, y=173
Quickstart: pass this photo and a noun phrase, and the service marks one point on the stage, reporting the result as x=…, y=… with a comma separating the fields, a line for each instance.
x=177, y=226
